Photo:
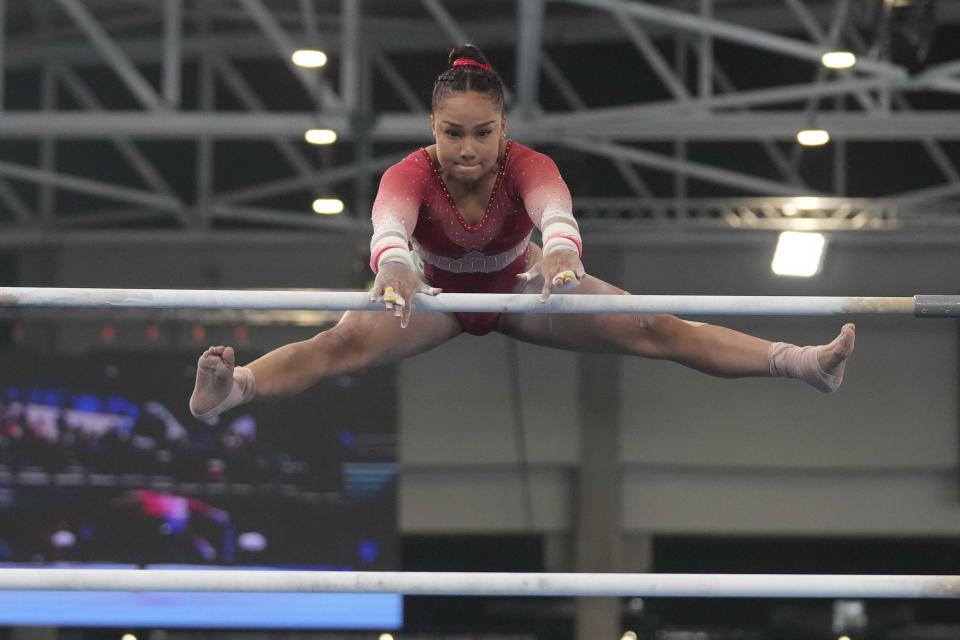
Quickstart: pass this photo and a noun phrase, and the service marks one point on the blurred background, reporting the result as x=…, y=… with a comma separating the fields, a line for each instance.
x=711, y=148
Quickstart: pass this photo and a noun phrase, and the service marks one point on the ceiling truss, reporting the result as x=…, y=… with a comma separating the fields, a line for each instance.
x=138, y=75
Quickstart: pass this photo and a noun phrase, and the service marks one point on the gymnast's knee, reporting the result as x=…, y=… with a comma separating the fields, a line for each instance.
x=650, y=334
x=344, y=346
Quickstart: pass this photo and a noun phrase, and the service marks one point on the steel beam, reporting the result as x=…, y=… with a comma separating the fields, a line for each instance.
x=938, y=192
x=776, y=155
x=49, y=91
x=403, y=126
x=530, y=14
x=629, y=174
x=941, y=70
x=645, y=46
x=317, y=179
x=3, y=52
x=172, y=51
x=14, y=204
x=747, y=98
x=705, y=66
x=112, y=53
x=396, y=35
x=456, y=35
x=734, y=33
x=91, y=187
x=281, y=218
x=252, y=102
x=397, y=81
x=751, y=184
x=206, y=90
x=350, y=53
x=140, y=163
x=108, y=217
x=284, y=46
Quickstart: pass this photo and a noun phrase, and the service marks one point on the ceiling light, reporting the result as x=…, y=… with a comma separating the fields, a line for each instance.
x=838, y=60
x=310, y=58
x=327, y=206
x=321, y=136
x=806, y=203
x=798, y=254
x=813, y=137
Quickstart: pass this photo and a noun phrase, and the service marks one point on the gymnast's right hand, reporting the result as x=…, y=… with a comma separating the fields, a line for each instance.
x=395, y=285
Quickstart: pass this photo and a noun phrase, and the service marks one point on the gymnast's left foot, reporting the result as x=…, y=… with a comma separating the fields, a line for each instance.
x=833, y=357
x=821, y=367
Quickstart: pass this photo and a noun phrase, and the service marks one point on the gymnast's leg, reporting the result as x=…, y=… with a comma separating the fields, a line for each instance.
x=709, y=348
x=361, y=339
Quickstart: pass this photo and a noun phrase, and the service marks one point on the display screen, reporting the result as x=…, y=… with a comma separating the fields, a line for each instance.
x=101, y=463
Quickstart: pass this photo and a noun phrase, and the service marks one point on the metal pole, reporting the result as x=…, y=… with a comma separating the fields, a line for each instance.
x=931, y=306
x=3, y=45
x=706, y=53
x=350, y=52
x=172, y=51
x=113, y=54
x=529, y=53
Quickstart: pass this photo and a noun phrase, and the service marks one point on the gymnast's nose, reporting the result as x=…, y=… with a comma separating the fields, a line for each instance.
x=467, y=152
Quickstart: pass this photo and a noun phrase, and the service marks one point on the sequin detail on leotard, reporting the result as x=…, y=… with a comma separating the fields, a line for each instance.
x=412, y=196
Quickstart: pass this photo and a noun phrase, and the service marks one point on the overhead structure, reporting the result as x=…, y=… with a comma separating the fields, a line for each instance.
x=190, y=116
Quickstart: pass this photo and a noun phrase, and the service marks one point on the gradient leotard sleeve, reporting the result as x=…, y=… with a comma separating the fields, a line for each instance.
x=395, y=212
x=547, y=200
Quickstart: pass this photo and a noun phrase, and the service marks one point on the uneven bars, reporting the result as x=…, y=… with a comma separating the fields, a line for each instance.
x=486, y=584
x=924, y=306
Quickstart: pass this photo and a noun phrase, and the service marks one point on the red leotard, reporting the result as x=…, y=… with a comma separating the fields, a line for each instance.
x=459, y=257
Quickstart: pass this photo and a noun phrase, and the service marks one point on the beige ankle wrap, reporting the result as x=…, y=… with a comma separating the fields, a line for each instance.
x=791, y=361
x=244, y=389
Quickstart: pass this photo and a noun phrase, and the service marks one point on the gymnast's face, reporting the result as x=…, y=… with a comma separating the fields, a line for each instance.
x=468, y=128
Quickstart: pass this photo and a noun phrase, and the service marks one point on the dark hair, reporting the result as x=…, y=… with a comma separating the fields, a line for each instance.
x=467, y=77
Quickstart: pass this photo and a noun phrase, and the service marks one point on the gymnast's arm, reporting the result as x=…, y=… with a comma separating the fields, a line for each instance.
x=395, y=212
x=549, y=205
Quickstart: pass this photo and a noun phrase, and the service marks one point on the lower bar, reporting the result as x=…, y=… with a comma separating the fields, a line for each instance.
x=487, y=584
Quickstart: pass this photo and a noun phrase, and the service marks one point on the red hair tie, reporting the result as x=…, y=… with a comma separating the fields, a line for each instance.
x=470, y=62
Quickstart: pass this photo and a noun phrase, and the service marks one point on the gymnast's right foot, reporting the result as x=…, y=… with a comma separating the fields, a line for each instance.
x=214, y=381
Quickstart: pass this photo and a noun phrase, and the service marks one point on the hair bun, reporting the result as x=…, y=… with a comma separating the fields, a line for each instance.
x=467, y=51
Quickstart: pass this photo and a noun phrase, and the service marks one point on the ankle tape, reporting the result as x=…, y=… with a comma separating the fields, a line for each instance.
x=244, y=389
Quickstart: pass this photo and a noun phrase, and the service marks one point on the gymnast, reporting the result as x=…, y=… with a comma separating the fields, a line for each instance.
x=467, y=205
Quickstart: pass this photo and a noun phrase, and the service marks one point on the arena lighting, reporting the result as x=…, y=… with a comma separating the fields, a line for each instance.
x=128, y=636
x=320, y=136
x=838, y=59
x=800, y=203
x=386, y=636
x=327, y=206
x=629, y=635
x=309, y=58
x=798, y=254
x=806, y=203
x=813, y=137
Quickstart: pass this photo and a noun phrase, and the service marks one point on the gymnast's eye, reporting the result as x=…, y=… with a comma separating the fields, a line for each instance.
x=453, y=133
x=483, y=133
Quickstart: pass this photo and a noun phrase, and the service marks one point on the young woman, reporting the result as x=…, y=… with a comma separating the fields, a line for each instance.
x=467, y=205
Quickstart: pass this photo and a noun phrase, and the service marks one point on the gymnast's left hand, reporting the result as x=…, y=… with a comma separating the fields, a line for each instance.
x=561, y=270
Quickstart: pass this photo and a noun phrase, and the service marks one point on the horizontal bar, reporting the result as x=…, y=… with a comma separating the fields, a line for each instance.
x=486, y=584
x=450, y=302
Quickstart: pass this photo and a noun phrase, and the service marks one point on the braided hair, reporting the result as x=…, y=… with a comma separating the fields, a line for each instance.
x=467, y=70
